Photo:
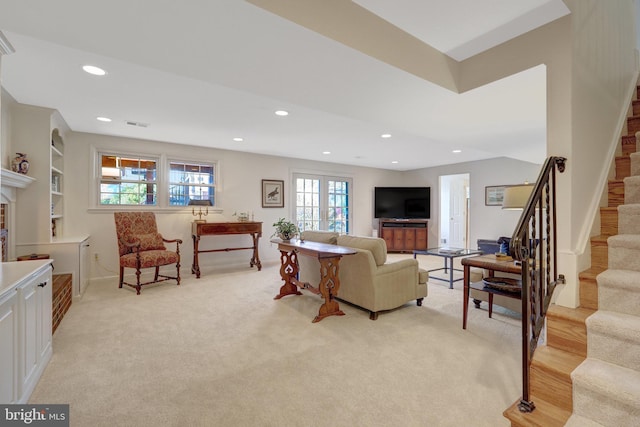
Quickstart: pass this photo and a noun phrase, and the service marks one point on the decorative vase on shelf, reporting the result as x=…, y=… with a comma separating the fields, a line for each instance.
x=20, y=164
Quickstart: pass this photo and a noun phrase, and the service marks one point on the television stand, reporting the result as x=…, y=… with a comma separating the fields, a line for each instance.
x=404, y=235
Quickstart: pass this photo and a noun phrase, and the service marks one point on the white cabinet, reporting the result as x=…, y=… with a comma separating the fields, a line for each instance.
x=9, y=348
x=25, y=327
x=70, y=255
x=34, y=306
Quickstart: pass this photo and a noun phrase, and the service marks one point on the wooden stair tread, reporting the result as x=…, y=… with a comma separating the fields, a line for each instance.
x=556, y=360
x=578, y=315
x=600, y=239
x=609, y=209
x=545, y=415
x=590, y=274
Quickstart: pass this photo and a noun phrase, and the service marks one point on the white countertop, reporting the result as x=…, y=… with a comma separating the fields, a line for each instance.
x=15, y=273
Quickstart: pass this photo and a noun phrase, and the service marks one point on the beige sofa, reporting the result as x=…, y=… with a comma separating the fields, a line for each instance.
x=366, y=280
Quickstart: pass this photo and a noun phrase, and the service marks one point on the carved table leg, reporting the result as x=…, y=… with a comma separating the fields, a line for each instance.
x=195, y=267
x=288, y=271
x=329, y=287
x=255, y=259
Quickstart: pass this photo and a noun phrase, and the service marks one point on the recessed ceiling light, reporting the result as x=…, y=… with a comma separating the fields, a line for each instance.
x=457, y=151
x=237, y=139
x=282, y=113
x=326, y=152
x=103, y=119
x=385, y=135
x=395, y=162
x=92, y=69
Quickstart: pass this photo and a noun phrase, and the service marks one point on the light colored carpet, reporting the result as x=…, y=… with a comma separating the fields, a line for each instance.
x=220, y=351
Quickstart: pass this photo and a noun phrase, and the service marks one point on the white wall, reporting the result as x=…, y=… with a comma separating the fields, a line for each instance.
x=485, y=222
x=240, y=190
x=5, y=129
x=591, y=62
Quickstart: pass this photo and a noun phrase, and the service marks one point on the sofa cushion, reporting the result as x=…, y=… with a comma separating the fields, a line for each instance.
x=375, y=245
x=329, y=237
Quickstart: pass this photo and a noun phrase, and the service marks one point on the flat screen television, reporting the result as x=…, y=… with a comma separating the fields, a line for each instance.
x=402, y=202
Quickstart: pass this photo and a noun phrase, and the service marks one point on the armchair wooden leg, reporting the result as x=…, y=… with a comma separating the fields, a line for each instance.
x=155, y=278
x=373, y=315
x=121, y=277
x=419, y=302
x=178, y=272
x=138, y=286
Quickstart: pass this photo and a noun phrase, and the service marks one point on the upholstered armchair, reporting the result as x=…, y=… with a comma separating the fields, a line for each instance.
x=141, y=246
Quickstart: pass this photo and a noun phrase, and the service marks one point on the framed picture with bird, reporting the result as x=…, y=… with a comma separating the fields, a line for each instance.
x=272, y=193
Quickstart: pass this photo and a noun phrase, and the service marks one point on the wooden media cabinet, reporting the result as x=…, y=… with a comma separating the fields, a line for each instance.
x=404, y=235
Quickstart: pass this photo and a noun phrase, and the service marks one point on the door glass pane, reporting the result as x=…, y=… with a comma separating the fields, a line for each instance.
x=338, y=207
x=322, y=203
x=307, y=204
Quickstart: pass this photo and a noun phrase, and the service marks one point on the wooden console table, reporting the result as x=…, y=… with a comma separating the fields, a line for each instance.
x=329, y=257
x=198, y=229
x=491, y=263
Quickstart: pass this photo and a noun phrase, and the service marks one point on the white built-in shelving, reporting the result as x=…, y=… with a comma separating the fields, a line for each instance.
x=57, y=181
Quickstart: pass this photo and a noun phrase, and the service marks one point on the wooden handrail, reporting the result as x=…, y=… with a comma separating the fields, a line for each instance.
x=533, y=244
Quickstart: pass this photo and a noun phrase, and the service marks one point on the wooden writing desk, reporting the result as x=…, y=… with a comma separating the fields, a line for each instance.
x=491, y=263
x=198, y=229
x=329, y=257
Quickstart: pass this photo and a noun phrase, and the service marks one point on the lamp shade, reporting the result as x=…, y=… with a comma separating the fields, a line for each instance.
x=516, y=196
x=196, y=202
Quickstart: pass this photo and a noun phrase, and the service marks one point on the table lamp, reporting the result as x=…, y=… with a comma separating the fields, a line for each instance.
x=200, y=213
x=516, y=196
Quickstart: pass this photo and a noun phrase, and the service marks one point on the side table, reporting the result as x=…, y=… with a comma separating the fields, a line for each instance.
x=492, y=264
x=199, y=229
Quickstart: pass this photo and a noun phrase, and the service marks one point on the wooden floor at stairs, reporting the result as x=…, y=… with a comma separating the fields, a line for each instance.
x=566, y=345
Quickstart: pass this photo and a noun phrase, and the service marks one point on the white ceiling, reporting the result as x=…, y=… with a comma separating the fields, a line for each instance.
x=202, y=72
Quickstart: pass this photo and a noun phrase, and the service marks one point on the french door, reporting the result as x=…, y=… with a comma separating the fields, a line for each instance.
x=322, y=202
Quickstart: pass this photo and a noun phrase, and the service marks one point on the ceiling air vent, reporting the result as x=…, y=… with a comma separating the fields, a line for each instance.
x=138, y=124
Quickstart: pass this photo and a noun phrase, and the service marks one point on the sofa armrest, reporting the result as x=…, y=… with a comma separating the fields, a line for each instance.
x=403, y=264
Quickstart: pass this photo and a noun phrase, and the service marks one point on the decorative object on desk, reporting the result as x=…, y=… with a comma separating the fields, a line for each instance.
x=516, y=196
x=272, y=193
x=200, y=213
x=503, y=284
x=494, y=195
x=20, y=164
x=503, y=257
x=242, y=216
x=285, y=230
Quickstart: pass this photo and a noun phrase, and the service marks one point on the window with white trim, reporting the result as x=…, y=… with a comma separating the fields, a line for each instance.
x=190, y=181
x=153, y=181
x=322, y=202
x=128, y=180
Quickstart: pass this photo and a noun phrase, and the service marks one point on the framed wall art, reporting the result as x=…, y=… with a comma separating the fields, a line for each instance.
x=494, y=195
x=272, y=193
